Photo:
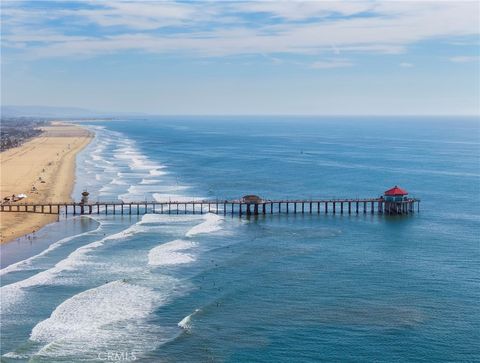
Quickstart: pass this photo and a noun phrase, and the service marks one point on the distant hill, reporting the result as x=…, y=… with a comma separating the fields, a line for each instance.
x=60, y=112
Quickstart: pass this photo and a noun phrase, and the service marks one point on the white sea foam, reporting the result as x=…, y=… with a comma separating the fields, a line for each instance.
x=130, y=175
x=110, y=169
x=118, y=181
x=171, y=253
x=125, y=155
x=97, y=127
x=12, y=293
x=86, y=313
x=211, y=224
x=14, y=355
x=157, y=171
x=138, y=189
x=186, y=322
x=97, y=158
x=150, y=181
x=170, y=220
x=111, y=316
x=142, y=163
x=106, y=188
x=22, y=265
x=161, y=197
x=151, y=218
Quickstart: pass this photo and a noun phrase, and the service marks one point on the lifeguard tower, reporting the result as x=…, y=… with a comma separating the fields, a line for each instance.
x=85, y=195
x=84, y=201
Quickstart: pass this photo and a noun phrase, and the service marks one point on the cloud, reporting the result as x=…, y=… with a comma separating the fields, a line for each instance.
x=406, y=65
x=464, y=59
x=300, y=10
x=137, y=15
x=332, y=63
x=212, y=29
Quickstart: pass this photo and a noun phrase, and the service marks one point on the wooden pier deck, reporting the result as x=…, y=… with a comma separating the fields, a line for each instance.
x=225, y=207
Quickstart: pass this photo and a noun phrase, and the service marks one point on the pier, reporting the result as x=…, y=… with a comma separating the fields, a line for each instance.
x=225, y=207
x=393, y=202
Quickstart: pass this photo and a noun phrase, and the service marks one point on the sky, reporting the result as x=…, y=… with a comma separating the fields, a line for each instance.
x=237, y=58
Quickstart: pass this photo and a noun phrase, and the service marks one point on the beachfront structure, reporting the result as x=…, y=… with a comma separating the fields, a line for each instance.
x=252, y=199
x=247, y=205
x=395, y=194
x=84, y=199
x=395, y=200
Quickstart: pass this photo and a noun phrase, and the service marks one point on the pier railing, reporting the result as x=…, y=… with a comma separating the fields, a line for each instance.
x=230, y=207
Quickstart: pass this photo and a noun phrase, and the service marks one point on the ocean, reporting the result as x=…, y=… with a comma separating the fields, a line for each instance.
x=273, y=288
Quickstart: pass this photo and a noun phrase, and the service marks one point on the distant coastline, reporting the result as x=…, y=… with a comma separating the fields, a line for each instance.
x=43, y=168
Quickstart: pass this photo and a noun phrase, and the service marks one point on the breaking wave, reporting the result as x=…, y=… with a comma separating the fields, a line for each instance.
x=22, y=265
x=12, y=293
x=171, y=253
x=212, y=224
x=111, y=316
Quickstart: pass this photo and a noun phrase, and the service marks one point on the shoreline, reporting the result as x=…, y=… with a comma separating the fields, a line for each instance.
x=48, y=163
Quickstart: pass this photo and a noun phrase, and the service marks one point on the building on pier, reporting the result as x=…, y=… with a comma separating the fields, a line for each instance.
x=395, y=194
x=252, y=199
x=396, y=201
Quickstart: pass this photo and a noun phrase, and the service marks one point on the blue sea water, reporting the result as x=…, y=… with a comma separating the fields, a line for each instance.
x=274, y=288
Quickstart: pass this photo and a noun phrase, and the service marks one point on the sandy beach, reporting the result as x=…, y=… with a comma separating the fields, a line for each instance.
x=43, y=169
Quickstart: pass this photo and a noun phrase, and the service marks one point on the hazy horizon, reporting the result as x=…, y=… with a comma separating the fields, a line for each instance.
x=52, y=110
x=243, y=58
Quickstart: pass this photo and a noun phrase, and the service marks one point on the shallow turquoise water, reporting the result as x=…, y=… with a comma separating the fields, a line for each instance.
x=273, y=288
